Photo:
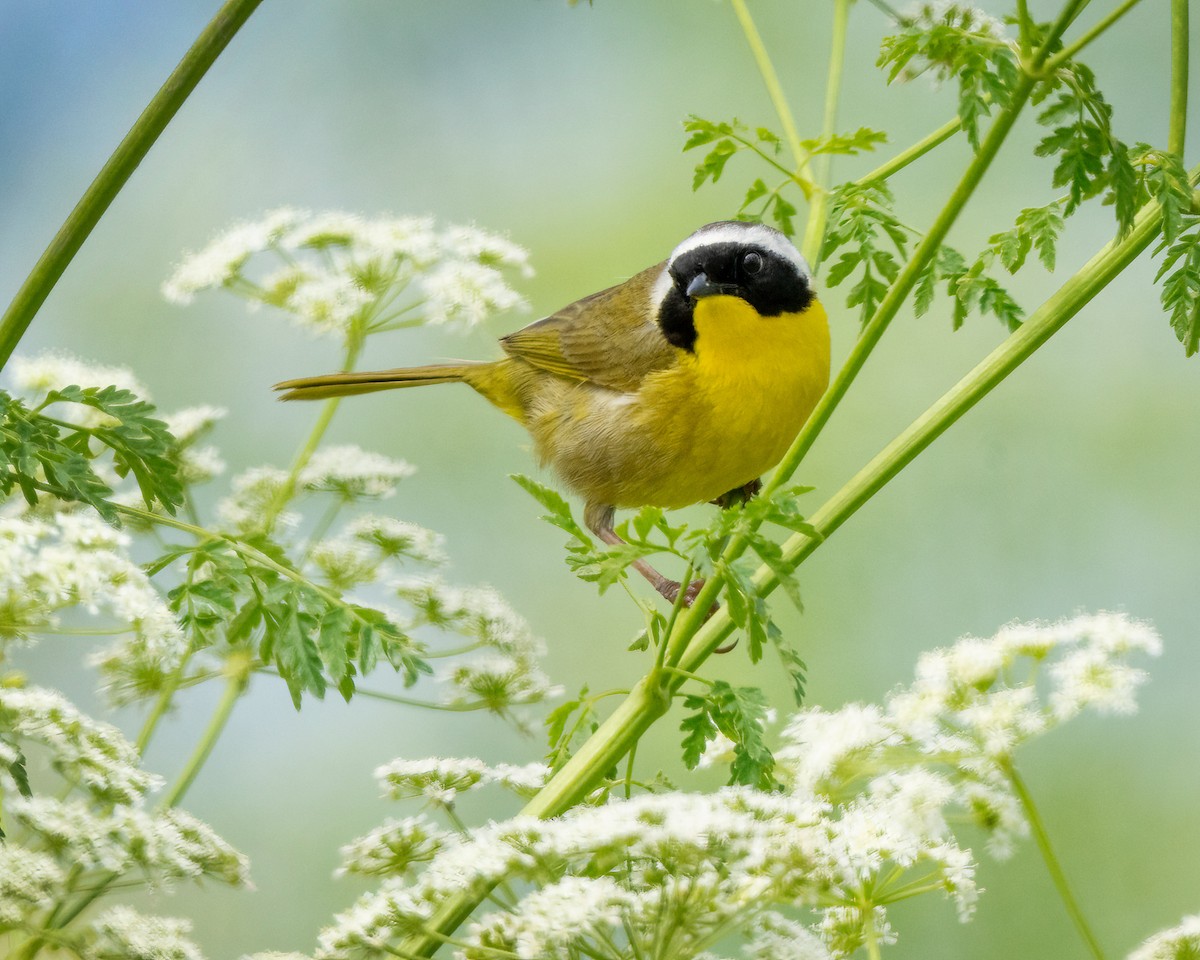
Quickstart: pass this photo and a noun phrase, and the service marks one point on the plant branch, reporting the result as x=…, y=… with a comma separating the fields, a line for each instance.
x=915, y=152
x=117, y=170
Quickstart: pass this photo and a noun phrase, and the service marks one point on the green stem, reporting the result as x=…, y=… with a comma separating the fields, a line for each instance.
x=354, y=345
x=1177, y=132
x=771, y=80
x=915, y=152
x=237, y=670
x=162, y=703
x=1102, y=25
x=117, y=170
x=1023, y=25
x=1053, y=867
x=818, y=209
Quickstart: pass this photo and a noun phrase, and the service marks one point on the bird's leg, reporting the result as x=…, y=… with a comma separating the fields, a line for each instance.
x=599, y=519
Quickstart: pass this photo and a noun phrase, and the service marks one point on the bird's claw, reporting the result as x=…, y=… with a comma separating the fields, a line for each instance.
x=670, y=591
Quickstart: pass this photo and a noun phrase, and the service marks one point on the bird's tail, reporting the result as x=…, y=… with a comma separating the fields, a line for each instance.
x=348, y=384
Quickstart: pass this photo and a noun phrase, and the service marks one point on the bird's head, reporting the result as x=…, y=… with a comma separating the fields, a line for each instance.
x=730, y=258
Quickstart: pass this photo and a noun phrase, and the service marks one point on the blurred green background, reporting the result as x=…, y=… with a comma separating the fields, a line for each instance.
x=1073, y=487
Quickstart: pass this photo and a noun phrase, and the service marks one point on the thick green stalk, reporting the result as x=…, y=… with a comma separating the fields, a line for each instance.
x=898, y=292
x=1042, y=324
x=1177, y=132
x=117, y=170
x=818, y=208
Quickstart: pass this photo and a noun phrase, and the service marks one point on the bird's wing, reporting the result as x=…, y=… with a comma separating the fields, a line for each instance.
x=609, y=338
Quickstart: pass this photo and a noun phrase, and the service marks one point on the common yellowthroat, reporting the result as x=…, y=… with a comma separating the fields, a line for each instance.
x=681, y=385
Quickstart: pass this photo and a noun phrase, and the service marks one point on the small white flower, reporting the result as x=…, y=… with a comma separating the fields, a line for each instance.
x=188, y=424
x=466, y=293
x=219, y=262
x=53, y=371
x=777, y=938
x=29, y=880
x=352, y=473
x=549, y=919
x=255, y=495
x=327, y=302
x=393, y=847
x=398, y=538
x=124, y=932
x=344, y=563
x=94, y=754
x=1181, y=942
x=500, y=681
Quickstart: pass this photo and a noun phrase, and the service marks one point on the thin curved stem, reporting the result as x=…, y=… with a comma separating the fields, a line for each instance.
x=117, y=171
x=915, y=152
x=1053, y=867
x=237, y=671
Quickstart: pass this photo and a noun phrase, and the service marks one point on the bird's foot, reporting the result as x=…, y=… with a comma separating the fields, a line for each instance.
x=670, y=591
x=738, y=494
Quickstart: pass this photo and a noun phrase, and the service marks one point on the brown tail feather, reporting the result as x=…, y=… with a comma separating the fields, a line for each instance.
x=348, y=384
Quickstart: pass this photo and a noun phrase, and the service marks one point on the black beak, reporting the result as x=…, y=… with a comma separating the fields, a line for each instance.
x=700, y=286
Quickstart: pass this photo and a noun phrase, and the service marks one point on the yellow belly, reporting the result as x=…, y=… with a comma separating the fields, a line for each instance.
x=718, y=419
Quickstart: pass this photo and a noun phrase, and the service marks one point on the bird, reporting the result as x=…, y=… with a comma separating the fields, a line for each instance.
x=682, y=385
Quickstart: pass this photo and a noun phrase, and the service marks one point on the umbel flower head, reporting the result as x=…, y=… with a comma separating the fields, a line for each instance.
x=337, y=273
x=58, y=842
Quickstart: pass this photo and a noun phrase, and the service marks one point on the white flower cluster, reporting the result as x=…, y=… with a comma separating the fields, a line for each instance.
x=369, y=544
x=353, y=473
x=338, y=272
x=392, y=848
x=74, y=560
x=441, y=779
x=962, y=16
x=507, y=672
x=864, y=820
x=54, y=843
x=41, y=374
x=688, y=866
x=37, y=376
x=1181, y=942
x=350, y=473
x=123, y=932
x=970, y=706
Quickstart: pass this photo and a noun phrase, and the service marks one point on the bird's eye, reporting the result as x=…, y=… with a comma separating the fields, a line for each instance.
x=752, y=263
